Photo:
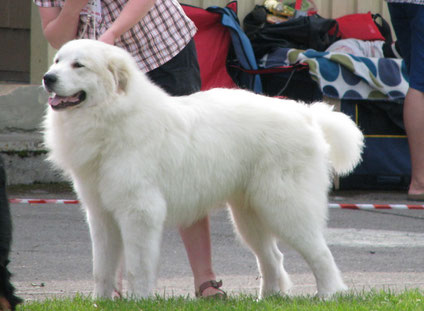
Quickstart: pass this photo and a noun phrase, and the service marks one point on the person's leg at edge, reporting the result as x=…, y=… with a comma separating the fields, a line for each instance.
x=413, y=115
x=407, y=20
x=414, y=103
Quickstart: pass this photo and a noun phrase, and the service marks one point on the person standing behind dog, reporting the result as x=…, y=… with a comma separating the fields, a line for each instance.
x=160, y=37
x=8, y=300
x=408, y=22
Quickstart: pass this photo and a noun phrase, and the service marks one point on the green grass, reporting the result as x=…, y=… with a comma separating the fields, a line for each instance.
x=412, y=300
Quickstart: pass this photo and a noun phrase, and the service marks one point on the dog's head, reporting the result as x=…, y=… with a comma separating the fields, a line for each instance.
x=86, y=72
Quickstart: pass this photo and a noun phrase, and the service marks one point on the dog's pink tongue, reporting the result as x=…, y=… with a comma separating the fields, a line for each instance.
x=56, y=99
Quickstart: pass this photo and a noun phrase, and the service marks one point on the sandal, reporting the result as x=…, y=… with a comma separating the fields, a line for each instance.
x=212, y=283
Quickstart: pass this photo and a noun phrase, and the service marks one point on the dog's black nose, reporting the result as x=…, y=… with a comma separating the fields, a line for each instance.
x=49, y=79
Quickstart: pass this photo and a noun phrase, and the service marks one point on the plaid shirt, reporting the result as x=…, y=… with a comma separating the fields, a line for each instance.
x=156, y=39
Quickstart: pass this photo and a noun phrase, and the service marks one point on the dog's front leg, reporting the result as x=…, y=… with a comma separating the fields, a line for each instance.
x=107, y=252
x=141, y=234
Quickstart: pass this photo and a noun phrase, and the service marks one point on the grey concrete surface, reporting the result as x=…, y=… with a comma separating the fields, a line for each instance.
x=25, y=158
x=51, y=253
x=21, y=113
x=22, y=106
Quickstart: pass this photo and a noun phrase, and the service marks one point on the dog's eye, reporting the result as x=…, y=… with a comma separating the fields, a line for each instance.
x=56, y=60
x=77, y=65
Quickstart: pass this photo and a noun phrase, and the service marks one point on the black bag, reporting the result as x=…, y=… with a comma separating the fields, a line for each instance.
x=386, y=163
x=384, y=28
x=306, y=32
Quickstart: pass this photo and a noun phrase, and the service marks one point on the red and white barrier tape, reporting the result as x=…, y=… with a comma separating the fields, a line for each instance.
x=42, y=201
x=375, y=206
x=330, y=205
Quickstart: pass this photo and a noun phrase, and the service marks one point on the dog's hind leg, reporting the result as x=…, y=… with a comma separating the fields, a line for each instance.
x=314, y=249
x=274, y=278
x=300, y=223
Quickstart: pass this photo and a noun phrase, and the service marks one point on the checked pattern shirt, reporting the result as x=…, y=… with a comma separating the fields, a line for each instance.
x=157, y=38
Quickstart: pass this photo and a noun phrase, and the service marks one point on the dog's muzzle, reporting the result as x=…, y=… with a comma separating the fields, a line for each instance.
x=58, y=102
x=49, y=81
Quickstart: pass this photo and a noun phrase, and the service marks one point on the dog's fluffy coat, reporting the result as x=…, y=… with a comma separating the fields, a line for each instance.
x=140, y=159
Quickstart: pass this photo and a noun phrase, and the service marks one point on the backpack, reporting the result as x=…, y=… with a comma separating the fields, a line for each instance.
x=241, y=52
x=304, y=32
x=278, y=79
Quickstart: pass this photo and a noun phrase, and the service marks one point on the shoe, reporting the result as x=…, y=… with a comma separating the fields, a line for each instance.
x=416, y=197
x=8, y=300
x=212, y=283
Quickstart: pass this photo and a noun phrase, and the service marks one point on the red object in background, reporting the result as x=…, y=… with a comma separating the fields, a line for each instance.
x=298, y=5
x=213, y=41
x=359, y=26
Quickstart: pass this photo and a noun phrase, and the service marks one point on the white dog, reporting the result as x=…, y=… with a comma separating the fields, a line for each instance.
x=140, y=159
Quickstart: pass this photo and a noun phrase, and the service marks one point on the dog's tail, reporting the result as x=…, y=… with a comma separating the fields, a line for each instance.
x=344, y=137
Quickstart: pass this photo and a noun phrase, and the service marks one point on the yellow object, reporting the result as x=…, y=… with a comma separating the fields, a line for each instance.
x=278, y=8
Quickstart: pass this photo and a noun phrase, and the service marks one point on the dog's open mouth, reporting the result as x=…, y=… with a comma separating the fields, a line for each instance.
x=61, y=102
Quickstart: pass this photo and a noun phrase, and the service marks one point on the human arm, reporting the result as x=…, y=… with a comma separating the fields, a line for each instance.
x=60, y=25
x=133, y=11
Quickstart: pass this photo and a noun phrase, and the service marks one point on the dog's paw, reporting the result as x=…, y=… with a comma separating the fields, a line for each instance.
x=116, y=295
x=334, y=292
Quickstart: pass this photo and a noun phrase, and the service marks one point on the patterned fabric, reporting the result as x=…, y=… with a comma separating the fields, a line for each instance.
x=157, y=38
x=358, y=47
x=346, y=76
x=407, y=1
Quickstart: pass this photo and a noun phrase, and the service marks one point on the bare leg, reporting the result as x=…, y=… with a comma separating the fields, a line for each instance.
x=414, y=124
x=197, y=243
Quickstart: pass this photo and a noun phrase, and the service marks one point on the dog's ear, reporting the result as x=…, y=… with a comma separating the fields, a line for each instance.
x=120, y=70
